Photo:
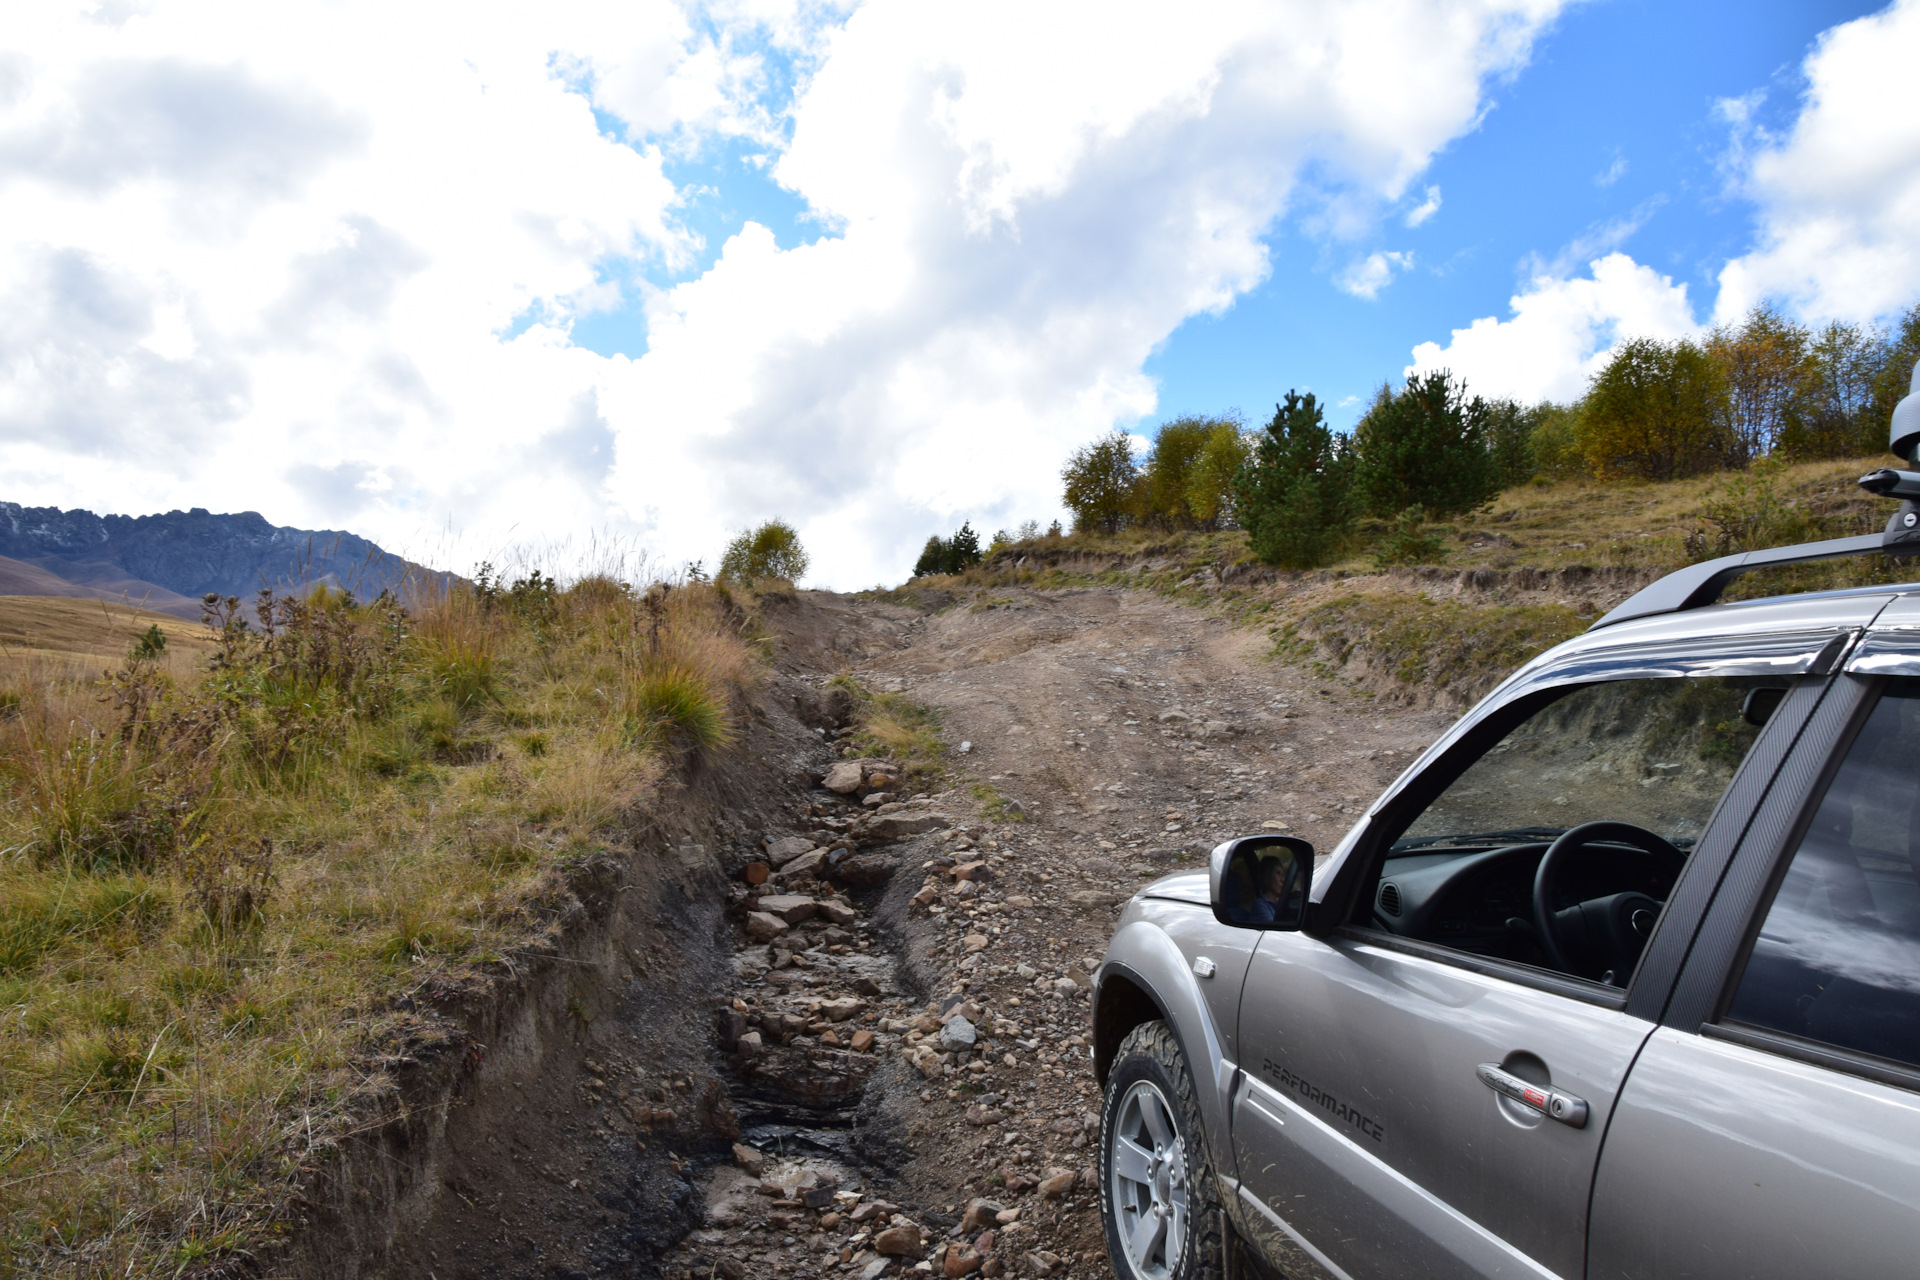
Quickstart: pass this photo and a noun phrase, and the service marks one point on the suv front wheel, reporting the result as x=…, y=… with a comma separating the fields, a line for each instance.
x=1157, y=1192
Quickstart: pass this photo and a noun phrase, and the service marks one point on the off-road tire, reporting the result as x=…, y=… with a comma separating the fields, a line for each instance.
x=1151, y=1053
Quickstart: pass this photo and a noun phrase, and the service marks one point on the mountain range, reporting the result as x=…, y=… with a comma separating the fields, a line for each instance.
x=168, y=562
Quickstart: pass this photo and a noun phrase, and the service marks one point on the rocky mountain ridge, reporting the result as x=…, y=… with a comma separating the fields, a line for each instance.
x=179, y=556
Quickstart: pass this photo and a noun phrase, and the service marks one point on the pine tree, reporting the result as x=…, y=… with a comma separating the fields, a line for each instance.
x=1293, y=496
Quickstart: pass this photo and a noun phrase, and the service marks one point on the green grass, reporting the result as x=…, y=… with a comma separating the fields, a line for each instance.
x=1438, y=646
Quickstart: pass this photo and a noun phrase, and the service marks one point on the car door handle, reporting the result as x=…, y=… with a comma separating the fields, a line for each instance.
x=1564, y=1107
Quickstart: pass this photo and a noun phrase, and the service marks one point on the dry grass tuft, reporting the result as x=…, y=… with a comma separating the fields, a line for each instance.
x=221, y=863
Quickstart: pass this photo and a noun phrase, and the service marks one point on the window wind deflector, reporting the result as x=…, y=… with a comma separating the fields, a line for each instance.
x=1891, y=646
x=1786, y=653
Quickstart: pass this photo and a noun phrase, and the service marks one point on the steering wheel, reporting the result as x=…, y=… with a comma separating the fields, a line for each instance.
x=1614, y=928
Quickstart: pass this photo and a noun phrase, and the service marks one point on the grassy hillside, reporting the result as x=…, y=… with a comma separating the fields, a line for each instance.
x=89, y=632
x=1537, y=565
x=225, y=874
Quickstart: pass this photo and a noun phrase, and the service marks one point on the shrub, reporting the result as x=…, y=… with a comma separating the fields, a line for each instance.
x=1293, y=495
x=1425, y=447
x=1655, y=412
x=771, y=551
x=1410, y=539
x=1511, y=429
x=1100, y=479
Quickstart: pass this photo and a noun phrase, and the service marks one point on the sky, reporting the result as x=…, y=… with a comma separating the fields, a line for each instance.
x=486, y=282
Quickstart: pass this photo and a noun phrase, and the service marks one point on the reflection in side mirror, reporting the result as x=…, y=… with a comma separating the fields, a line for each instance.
x=1262, y=882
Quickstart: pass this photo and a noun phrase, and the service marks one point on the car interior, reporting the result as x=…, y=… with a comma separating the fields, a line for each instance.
x=1556, y=834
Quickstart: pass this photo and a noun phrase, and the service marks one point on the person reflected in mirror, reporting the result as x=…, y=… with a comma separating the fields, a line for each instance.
x=1271, y=880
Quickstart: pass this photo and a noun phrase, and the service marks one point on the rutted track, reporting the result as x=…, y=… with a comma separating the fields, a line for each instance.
x=1133, y=731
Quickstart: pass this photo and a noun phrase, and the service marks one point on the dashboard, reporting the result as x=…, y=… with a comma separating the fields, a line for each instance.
x=1465, y=897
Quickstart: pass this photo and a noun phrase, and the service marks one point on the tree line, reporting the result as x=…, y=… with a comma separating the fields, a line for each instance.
x=1764, y=387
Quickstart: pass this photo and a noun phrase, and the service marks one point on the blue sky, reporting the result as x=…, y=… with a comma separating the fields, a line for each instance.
x=646, y=272
x=1609, y=135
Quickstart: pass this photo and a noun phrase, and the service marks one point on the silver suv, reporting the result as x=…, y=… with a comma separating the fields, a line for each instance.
x=1620, y=978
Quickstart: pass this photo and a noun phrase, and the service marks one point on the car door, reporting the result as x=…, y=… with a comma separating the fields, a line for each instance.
x=1771, y=1129
x=1377, y=1125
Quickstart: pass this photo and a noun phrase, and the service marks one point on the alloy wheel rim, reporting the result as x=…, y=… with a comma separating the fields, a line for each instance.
x=1148, y=1163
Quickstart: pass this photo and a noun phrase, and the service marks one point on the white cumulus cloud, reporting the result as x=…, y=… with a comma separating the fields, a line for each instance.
x=1839, y=193
x=1562, y=331
x=325, y=259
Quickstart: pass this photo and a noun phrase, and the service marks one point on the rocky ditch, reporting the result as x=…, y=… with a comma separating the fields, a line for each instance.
x=849, y=1033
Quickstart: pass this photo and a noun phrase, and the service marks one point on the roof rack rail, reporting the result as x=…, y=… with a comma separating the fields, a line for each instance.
x=1699, y=585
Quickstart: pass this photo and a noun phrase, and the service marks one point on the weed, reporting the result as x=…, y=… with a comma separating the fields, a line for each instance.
x=671, y=701
x=995, y=806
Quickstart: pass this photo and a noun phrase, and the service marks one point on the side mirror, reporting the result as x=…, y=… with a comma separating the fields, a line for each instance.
x=1261, y=882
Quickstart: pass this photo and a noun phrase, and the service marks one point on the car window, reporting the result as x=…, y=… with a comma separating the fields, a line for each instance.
x=1837, y=958
x=1651, y=757
x=1654, y=753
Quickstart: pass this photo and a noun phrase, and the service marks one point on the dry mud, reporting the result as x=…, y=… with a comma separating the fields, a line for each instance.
x=713, y=1101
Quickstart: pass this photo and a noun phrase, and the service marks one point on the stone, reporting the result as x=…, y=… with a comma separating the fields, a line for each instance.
x=896, y=826
x=1007, y=1217
x=763, y=927
x=928, y=895
x=965, y=889
x=876, y=799
x=731, y=1268
x=961, y=1261
x=875, y=1269
x=804, y=867
x=863, y=872
x=926, y=1024
x=731, y=1025
x=1092, y=898
x=1058, y=1184
x=863, y=1212
x=976, y=942
x=980, y=1115
x=866, y=986
x=784, y=850
x=1065, y=986
x=972, y=871
x=930, y=1065
x=1026, y=971
x=879, y=780
x=1089, y=1178
x=748, y=1045
x=958, y=1033
x=790, y=907
x=842, y=1009
x=819, y=1197
x=1019, y=902
x=845, y=777
x=751, y=1162
x=1173, y=716
x=756, y=872
x=836, y=912
x=980, y=1215
x=1038, y=1262
x=993, y=1268
x=862, y=1040
x=1218, y=729
x=898, y=1242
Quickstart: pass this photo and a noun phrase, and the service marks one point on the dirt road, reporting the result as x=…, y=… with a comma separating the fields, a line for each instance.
x=1133, y=734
